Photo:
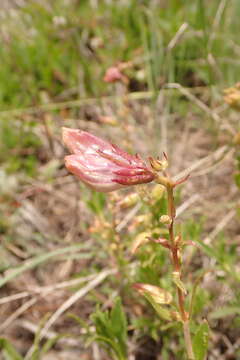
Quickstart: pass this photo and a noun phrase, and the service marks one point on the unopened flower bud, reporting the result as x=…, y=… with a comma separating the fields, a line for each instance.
x=129, y=201
x=175, y=316
x=115, y=74
x=113, y=247
x=140, y=75
x=157, y=192
x=158, y=165
x=144, y=219
x=165, y=219
x=178, y=240
x=101, y=165
x=232, y=96
x=96, y=42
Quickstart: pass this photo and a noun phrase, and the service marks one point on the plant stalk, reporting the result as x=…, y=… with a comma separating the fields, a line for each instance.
x=177, y=268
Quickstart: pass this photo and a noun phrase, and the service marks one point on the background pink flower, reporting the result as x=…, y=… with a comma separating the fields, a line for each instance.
x=113, y=74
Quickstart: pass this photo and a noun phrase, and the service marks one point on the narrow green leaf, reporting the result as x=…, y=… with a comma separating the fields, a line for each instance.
x=237, y=180
x=118, y=319
x=50, y=343
x=83, y=324
x=200, y=341
x=102, y=323
x=37, y=339
x=109, y=343
x=113, y=327
x=10, y=351
x=195, y=285
x=119, y=324
x=225, y=311
x=97, y=202
x=208, y=249
x=161, y=311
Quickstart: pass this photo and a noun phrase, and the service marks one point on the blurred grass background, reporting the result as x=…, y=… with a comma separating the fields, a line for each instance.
x=59, y=51
x=54, y=55
x=67, y=45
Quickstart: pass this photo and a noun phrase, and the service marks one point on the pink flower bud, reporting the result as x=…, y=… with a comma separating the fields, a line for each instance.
x=101, y=165
x=113, y=74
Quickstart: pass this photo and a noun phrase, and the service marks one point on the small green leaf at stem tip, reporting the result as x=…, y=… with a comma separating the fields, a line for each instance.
x=200, y=341
x=177, y=281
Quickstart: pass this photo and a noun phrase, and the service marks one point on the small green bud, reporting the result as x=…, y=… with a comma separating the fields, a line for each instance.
x=165, y=219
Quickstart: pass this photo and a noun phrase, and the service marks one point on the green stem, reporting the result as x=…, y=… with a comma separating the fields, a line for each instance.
x=188, y=340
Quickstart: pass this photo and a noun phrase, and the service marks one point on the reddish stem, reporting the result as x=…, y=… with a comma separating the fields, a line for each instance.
x=177, y=268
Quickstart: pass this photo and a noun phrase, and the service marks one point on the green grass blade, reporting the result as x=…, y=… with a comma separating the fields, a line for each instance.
x=9, y=350
x=30, y=264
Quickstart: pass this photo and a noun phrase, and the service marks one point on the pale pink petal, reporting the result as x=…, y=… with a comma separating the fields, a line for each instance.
x=80, y=141
x=94, y=179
